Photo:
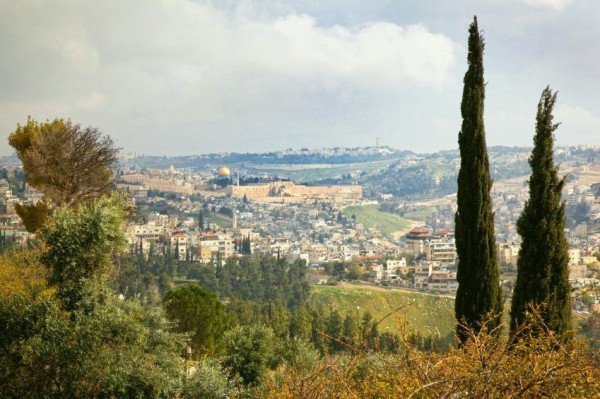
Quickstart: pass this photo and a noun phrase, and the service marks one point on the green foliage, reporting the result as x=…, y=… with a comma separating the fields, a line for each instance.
x=425, y=315
x=479, y=290
x=300, y=324
x=198, y=311
x=263, y=279
x=226, y=211
x=543, y=271
x=411, y=181
x=79, y=244
x=246, y=246
x=420, y=213
x=109, y=347
x=86, y=341
x=209, y=381
x=248, y=351
x=356, y=272
x=324, y=170
x=301, y=354
x=577, y=213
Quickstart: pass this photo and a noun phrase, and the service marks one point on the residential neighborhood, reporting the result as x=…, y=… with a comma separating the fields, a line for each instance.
x=206, y=215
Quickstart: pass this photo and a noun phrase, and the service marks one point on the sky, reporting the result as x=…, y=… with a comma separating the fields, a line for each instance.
x=184, y=77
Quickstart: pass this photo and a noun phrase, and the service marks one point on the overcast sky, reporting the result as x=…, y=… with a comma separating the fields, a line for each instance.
x=180, y=77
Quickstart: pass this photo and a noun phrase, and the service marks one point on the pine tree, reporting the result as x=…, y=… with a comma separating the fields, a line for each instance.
x=479, y=294
x=543, y=272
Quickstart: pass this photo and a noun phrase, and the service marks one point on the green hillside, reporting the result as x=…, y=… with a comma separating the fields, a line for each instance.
x=370, y=216
x=307, y=173
x=221, y=220
x=422, y=313
x=421, y=213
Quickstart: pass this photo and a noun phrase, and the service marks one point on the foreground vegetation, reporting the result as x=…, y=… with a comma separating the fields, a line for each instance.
x=534, y=366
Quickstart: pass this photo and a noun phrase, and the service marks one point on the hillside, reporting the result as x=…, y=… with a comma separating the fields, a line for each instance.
x=370, y=216
x=328, y=173
x=384, y=170
x=422, y=313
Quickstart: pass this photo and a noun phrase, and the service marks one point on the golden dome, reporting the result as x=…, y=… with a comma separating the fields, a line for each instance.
x=224, y=171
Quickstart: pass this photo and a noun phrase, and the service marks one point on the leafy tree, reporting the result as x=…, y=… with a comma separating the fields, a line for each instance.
x=197, y=310
x=577, y=213
x=543, y=271
x=226, y=211
x=334, y=329
x=248, y=351
x=355, y=272
x=300, y=324
x=479, y=290
x=108, y=347
x=351, y=332
x=85, y=341
x=71, y=165
x=210, y=381
x=79, y=245
x=339, y=268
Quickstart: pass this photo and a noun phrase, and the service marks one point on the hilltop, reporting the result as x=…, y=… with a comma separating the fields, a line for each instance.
x=382, y=171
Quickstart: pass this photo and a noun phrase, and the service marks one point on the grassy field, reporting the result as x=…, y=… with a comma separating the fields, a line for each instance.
x=221, y=220
x=370, y=216
x=426, y=314
x=421, y=213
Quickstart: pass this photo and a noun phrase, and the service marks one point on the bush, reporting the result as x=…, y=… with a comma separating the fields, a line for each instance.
x=536, y=365
x=209, y=381
x=248, y=351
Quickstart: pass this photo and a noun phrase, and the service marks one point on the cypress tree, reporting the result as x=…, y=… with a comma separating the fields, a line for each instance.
x=201, y=221
x=543, y=272
x=479, y=294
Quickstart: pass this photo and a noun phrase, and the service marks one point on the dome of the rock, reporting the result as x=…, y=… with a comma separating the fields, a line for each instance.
x=224, y=171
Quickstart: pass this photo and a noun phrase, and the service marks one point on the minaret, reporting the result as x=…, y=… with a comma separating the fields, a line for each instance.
x=234, y=220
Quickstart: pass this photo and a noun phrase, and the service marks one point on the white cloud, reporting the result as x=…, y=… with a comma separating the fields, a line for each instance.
x=143, y=67
x=576, y=122
x=554, y=4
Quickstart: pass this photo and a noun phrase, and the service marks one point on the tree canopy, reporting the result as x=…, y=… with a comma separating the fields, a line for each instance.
x=65, y=333
x=78, y=245
x=197, y=310
x=69, y=164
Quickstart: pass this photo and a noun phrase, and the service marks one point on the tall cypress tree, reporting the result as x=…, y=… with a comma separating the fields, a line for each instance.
x=543, y=272
x=479, y=293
